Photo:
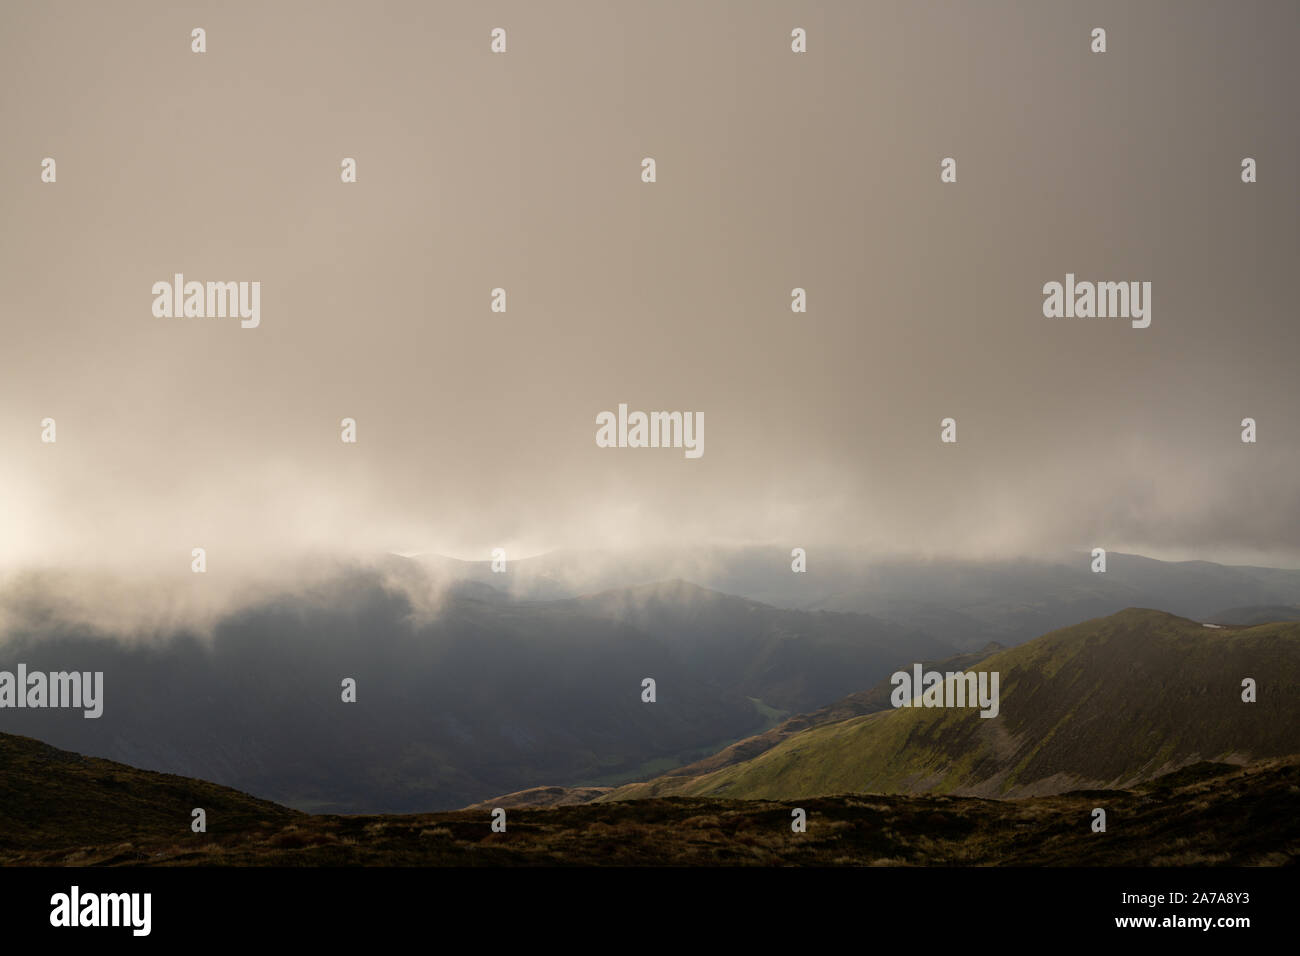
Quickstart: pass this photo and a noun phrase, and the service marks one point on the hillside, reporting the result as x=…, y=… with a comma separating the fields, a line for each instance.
x=853, y=705
x=59, y=801
x=1108, y=703
x=61, y=809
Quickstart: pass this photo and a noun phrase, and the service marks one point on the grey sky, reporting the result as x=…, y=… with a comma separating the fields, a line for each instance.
x=775, y=170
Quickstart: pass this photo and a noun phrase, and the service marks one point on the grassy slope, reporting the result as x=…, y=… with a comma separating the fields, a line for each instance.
x=854, y=705
x=1103, y=704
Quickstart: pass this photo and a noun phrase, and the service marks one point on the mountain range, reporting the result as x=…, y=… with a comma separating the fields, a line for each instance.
x=964, y=602
x=524, y=681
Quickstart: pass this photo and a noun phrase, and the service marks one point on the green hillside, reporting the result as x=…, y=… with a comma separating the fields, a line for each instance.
x=1105, y=704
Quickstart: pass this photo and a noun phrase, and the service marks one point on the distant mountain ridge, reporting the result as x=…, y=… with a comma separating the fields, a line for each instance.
x=1250, y=616
x=964, y=603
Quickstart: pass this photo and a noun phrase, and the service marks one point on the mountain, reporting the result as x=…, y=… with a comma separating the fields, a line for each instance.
x=483, y=695
x=466, y=690
x=61, y=809
x=1012, y=601
x=964, y=603
x=1105, y=704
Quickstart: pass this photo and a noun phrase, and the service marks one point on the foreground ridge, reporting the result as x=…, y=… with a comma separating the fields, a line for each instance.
x=55, y=810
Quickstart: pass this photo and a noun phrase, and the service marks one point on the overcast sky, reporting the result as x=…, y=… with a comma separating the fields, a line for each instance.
x=523, y=171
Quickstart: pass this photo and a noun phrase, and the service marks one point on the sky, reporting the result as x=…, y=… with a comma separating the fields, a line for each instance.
x=775, y=170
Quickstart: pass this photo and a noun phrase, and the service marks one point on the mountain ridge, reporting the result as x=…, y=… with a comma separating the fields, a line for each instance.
x=1058, y=692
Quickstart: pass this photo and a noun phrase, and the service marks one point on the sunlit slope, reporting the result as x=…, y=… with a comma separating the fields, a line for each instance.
x=1106, y=703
